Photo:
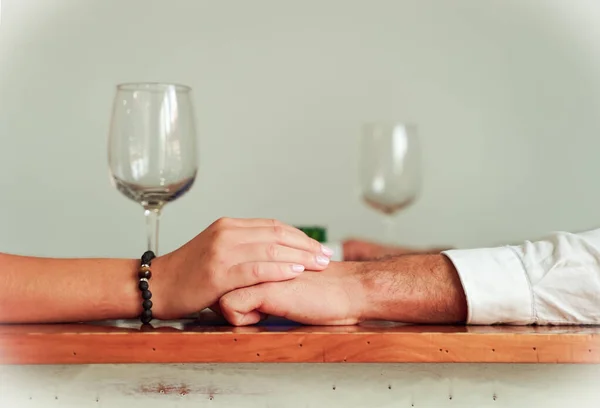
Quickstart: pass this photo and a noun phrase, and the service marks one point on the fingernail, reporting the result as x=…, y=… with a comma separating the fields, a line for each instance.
x=321, y=260
x=326, y=250
x=298, y=268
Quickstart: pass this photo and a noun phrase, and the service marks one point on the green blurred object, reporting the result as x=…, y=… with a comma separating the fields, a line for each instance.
x=316, y=233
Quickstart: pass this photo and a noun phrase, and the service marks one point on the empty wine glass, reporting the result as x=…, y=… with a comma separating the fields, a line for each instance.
x=390, y=168
x=152, y=147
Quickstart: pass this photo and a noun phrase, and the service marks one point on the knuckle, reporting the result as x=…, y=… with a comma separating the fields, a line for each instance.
x=224, y=239
x=273, y=251
x=256, y=272
x=279, y=232
x=275, y=222
x=228, y=307
x=222, y=222
x=219, y=236
x=244, y=296
x=226, y=302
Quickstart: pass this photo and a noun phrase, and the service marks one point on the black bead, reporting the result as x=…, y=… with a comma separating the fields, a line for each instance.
x=147, y=314
x=144, y=274
x=146, y=319
x=148, y=257
x=146, y=294
x=147, y=304
x=143, y=285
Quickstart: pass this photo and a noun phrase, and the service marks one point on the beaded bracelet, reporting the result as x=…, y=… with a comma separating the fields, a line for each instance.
x=144, y=274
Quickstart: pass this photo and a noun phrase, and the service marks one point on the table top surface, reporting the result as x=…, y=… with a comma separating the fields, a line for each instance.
x=209, y=339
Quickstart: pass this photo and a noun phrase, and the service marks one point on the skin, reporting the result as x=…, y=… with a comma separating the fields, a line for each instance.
x=361, y=250
x=229, y=254
x=421, y=288
x=245, y=268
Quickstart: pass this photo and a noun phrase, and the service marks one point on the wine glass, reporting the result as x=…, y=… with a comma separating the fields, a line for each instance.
x=390, y=168
x=152, y=147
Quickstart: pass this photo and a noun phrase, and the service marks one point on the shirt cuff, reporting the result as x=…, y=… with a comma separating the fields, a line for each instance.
x=496, y=285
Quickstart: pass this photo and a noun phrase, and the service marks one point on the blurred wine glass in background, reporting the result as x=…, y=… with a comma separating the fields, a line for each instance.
x=390, y=169
x=152, y=147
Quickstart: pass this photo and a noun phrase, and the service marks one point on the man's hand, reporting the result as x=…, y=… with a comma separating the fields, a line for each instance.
x=410, y=288
x=331, y=297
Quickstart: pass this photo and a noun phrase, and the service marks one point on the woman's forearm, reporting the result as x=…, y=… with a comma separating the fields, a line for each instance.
x=67, y=290
x=229, y=254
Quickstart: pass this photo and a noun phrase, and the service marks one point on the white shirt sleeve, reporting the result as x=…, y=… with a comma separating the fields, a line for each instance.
x=552, y=281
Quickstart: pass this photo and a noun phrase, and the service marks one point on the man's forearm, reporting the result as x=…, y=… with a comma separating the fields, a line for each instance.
x=413, y=289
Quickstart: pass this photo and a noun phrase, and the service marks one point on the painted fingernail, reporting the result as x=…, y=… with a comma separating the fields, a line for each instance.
x=322, y=260
x=298, y=268
x=326, y=250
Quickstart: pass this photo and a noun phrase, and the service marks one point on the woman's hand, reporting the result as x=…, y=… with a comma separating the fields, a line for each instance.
x=230, y=254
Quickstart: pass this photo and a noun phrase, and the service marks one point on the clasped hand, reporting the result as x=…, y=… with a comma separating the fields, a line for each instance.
x=253, y=267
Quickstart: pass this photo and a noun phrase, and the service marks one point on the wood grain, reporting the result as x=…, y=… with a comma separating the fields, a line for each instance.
x=209, y=340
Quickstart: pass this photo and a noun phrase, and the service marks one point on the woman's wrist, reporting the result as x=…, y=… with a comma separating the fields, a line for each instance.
x=161, y=286
x=171, y=296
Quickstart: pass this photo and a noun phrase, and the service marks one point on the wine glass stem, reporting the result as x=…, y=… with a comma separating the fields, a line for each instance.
x=152, y=218
x=389, y=225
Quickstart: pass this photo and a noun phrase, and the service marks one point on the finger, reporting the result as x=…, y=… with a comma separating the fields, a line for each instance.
x=253, y=273
x=252, y=222
x=279, y=231
x=282, y=254
x=357, y=250
x=279, y=235
x=240, y=307
x=274, y=224
x=354, y=250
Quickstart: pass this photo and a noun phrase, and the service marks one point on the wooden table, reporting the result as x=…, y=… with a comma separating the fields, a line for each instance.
x=98, y=364
x=210, y=340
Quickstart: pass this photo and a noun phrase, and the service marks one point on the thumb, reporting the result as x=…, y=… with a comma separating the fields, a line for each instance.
x=241, y=306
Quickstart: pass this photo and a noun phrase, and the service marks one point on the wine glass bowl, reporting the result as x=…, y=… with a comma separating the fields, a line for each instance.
x=390, y=166
x=152, y=146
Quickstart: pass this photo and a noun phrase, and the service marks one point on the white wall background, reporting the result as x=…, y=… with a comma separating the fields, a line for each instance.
x=506, y=94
